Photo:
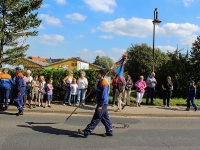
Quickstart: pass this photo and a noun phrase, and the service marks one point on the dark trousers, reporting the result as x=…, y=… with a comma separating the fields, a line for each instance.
x=114, y=96
x=67, y=95
x=13, y=93
x=4, y=96
x=166, y=96
x=97, y=117
x=150, y=94
x=192, y=101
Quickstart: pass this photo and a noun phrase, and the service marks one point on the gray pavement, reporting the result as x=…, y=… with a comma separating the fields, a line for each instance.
x=129, y=111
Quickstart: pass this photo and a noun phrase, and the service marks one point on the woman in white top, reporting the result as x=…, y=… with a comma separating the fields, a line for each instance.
x=28, y=79
x=82, y=88
x=67, y=82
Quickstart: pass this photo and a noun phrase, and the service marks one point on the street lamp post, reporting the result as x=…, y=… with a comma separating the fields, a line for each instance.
x=156, y=21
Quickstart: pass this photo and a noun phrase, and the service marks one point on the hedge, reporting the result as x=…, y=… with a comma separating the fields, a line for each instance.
x=59, y=75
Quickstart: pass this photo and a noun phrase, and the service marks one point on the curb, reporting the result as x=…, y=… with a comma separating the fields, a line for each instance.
x=112, y=114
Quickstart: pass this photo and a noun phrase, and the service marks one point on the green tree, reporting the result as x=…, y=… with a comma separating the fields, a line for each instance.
x=140, y=60
x=195, y=58
x=18, y=20
x=104, y=61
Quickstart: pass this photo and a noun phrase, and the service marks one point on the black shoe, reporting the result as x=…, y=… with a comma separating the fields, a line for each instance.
x=19, y=113
x=195, y=108
x=34, y=106
x=123, y=106
x=107, y=134
x=82, y=133
x=5, y=108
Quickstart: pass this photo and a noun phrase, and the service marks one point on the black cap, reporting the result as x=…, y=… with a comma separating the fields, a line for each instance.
x=192, y=81
x=102, y=71
x=18, y=68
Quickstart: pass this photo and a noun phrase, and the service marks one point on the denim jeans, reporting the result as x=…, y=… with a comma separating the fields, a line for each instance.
x=73, y=99
x=67, y=95
x=81, y=96
x=192, y=100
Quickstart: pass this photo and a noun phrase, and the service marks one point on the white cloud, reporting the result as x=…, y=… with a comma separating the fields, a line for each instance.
x=118, y=50
x=198, y=17
x=189, y=40
x=89, y=55
x=99, y=52
x=187, y=2
x=61, y=2
x=106, y=37
x=41, y=26
x=93, y=30
x=101, y=5
x=52, y=39
x=142, y=28
x=45, y=5
x=80, y=36
x=133, y=27
x=51, y=20
x=76, y=16
x=166, y=48
x=174, y=29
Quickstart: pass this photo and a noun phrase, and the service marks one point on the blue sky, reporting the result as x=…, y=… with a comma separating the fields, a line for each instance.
x=87, y=28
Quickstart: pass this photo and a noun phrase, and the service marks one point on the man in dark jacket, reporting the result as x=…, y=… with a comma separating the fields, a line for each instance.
x=18, y=94
x=101, y=111
x=191, y=96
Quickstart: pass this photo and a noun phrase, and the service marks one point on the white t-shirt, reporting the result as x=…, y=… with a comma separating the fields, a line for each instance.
x=82, y=83
x=28, y=81
x=42, y=86
x=74, y=88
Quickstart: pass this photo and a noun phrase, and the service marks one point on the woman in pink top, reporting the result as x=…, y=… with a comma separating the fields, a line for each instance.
x=140, y=89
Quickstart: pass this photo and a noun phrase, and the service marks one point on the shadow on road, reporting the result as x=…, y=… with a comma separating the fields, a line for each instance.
x=50, y=130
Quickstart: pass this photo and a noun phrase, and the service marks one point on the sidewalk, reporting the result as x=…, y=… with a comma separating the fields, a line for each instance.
x=129, y=111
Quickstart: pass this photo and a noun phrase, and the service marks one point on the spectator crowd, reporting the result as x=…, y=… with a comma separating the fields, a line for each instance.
x=39, y=93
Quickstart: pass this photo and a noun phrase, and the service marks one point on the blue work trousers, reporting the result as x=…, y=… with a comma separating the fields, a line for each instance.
x=19, y=100
x=5, y=92
x=97, y=117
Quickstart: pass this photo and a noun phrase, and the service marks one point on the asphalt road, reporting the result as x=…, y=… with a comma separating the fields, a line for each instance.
x=51, y=132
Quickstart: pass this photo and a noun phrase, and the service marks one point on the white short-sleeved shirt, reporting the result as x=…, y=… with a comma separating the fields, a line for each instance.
x=74, y=88
x=82, y=83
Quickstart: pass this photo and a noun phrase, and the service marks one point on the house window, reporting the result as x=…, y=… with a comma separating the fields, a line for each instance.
x=74, y=64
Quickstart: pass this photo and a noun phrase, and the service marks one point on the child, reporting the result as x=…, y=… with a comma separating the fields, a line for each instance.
x=34, y=91
x=42, y=92
x=49, y=93
x=73, y=91
x=191, y=96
